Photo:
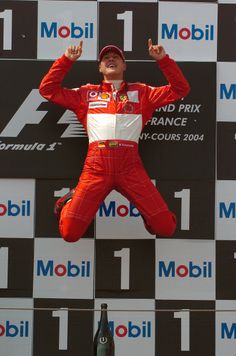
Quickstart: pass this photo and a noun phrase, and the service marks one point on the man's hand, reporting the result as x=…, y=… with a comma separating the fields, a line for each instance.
x=157, y=52
x=74, y=52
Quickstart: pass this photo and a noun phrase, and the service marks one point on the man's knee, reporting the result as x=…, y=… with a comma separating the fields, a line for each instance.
x=72, y=230
x=163, y=224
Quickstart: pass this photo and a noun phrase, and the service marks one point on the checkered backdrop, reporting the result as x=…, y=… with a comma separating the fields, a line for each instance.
x=49, y=288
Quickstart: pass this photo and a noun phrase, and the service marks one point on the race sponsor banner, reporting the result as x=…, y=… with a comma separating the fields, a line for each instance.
x=17, y=208
x=185, y=277
x=63, y=268
x=188, y=30
x=16, y=326
x=33, y=130
x=56, y=31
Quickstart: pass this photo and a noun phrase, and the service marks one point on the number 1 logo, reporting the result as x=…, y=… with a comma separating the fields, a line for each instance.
x=124, y=255
x=6, y=15
x=127, y=17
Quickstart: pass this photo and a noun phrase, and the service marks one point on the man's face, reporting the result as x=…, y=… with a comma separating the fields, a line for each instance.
x=112, y=66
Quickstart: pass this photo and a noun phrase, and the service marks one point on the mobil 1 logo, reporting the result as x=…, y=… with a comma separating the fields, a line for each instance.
x=181, y=329
x=127, y=21
x=16, y=319
x=185, y=269
x=61, y=24
x=181, y=34
x=63, y=269
x=60, y=330
x=18, y=30
x=119, y=261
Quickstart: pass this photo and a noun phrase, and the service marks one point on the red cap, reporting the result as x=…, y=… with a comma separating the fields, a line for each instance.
x=111, y=48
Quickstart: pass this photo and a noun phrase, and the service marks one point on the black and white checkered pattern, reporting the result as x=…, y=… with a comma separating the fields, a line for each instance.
x=49, y=288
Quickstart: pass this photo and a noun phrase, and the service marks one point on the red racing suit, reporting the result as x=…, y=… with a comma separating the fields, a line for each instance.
x=114, y=121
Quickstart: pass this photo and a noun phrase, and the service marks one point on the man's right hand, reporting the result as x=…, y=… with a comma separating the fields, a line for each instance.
x=74, y=52
x=157, y=52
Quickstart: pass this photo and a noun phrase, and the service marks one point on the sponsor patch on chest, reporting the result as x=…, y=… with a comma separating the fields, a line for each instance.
x=96, y=95
x=133, y=96
x=97, y=104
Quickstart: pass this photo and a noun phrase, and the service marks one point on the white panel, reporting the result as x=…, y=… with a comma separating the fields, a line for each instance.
x=17, y=207
x=63, y=269
x=226, y=92
x=185, y=269
x=16, y=327
x=225, y=212
x=188, y=31
x=226, y=327
x=64, y=23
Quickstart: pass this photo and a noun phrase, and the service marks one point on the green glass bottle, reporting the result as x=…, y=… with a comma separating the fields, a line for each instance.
x=103, y=344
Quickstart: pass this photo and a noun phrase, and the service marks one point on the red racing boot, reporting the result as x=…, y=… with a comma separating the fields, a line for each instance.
x=62, y=201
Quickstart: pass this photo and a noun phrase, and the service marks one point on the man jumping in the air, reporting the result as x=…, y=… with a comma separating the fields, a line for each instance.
x=113, y=113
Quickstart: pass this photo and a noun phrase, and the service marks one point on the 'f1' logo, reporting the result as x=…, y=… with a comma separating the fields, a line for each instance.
x=28, y=113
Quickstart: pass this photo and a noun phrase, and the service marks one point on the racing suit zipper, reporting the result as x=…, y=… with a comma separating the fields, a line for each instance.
x=114, y=95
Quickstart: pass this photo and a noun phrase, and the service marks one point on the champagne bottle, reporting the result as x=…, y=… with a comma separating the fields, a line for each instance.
x=103, y=340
